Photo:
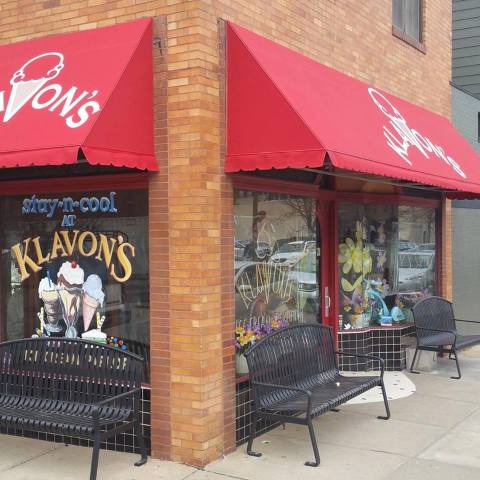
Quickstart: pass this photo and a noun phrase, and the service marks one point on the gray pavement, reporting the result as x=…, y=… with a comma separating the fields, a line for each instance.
x=433, y=435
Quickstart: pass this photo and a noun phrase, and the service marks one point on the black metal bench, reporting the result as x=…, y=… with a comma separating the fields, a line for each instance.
x=294, y=377
x=436, y=329
x=72, y=388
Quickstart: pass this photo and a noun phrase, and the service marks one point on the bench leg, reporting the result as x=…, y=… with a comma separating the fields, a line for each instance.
x=253, y=430
x=385, y=400
x=141, y=444
x=458, y=366
x=137, y=426
x=413, y=361
x=96, y=451
x=316, y=463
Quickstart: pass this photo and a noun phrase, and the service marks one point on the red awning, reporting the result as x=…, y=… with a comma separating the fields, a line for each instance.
x=286, y=110
x=89, y=91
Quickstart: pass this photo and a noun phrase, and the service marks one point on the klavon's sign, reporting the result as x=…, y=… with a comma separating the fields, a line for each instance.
x=32, y=86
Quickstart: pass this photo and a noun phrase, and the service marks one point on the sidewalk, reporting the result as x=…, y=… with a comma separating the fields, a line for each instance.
x=432, y=435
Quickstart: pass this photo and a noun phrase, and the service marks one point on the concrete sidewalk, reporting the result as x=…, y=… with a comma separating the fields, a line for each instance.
x=432, y=435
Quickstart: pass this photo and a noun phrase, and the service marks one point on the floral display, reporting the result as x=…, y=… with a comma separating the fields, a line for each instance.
x=386, y=263
x=248, y=335
x=356, y=263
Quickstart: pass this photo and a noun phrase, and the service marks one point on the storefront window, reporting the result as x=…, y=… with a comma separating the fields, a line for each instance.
x=386, y=262
x=276, y=263
x=76, y=265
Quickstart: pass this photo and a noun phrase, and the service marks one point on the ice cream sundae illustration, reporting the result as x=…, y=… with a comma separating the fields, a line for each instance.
x=30, y=78
x=69, y=288
x=93, y=297
x=47, y=291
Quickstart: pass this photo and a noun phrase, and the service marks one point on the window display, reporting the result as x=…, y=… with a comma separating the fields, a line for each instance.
x=76, y=265
x=386, y=262
x=276, y=263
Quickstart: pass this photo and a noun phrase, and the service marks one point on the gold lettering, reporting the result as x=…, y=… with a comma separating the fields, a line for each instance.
x=104, y=248
x=66, y=238
x=38, y=250
x=124, y=262
x=23, y=260
x=57, y=246
x=81, y=244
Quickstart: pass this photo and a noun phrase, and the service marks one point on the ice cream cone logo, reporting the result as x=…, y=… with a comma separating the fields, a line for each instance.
x=24, y=88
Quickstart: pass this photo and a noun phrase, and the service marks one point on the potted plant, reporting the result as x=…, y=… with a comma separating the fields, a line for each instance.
x=247, y=335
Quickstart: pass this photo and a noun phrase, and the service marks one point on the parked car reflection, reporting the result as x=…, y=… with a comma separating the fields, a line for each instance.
x=293, y=252
x=416, y=270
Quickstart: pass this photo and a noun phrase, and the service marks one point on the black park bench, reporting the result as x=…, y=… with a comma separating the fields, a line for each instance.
x=436, y=330
x=72, y=388
x=294, y=377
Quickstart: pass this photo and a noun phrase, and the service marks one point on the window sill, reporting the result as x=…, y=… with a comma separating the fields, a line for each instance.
x=396, y=32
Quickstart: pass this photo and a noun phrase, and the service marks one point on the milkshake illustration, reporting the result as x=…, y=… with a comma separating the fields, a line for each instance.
x=93, y=297
x=69, y=287
x=27, y=81
x=47, y=291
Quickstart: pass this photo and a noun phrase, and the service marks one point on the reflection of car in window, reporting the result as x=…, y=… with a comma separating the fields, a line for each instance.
x=427, y=246
x=292, y=252
x=304, y=272
x=404, y=245
x=244, y=250
x=416, y=269
x=277, y=290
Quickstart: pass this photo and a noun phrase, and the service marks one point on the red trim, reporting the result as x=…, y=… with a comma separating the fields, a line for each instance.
x=334, y=273
x=74, y=184
x=387, y=198
x=245, y=182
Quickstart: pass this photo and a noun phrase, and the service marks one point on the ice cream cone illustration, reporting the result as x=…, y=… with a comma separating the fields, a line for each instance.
x=24, y=88
x=89, y=307
x=47, y=291
x=69, y=283
x=93, y=297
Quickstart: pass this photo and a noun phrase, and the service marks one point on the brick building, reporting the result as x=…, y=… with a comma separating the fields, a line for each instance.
x=194, y=216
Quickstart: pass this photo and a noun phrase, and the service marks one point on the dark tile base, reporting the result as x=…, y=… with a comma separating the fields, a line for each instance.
x=384, y=342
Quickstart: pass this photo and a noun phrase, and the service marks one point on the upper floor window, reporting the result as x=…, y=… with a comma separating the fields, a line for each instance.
x=407, y=20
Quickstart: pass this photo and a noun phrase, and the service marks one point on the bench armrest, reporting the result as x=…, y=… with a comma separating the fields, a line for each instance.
x=451, y=332
x=102, y=403
x=369, y=357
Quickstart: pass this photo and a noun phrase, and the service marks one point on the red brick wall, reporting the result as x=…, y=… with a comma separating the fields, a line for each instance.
x=191, y=239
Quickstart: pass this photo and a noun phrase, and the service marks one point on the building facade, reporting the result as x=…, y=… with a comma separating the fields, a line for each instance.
x=466, y=118
x=191, y=220
x=466, y=46
x=465, y=115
